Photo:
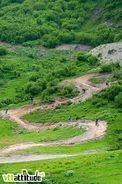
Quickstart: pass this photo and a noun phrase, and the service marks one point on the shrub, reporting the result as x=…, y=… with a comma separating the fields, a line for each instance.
x=106, y=68
x=69, y=173
x=98, y=102
x=81, y=56
x=34, y=77
x=92, y=59
x=7, y=101
x=88, y=58
x=117, y=74
x=109, y=67
x=32, y=88
x=16, y=1
x=118, y=100
x=66, y=71
x=69, y=91
x=111, y=92
x=3, y=51
x=51, y=90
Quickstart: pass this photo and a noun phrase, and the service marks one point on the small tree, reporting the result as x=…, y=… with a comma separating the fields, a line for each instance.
x=3, y=51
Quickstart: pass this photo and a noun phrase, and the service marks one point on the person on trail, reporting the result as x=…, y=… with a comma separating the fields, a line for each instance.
x=31, y=99
x=84, y=90
x=77, y=47
x=70, y=119
x=6, y=111
x=107, y=84
x=97, y=122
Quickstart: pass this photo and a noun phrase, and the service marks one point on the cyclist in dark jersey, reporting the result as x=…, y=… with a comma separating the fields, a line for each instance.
x=97, y=122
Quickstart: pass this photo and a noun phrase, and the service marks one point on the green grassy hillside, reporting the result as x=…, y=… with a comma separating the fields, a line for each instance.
x=33, y=72
x=102, y=106
x=30, y=72
x=50, y=23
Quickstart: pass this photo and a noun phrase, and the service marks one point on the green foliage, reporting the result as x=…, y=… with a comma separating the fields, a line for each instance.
x=86, y=57
x=38, y=76
x=16, y=1
x=50, y=23
x=94, y=168
x=111, y=92
x=28, y=71
x=118, y=100
x=3, y=51
x=69, y=91
x=109, y=67
x=117, y=74
x=32, y=88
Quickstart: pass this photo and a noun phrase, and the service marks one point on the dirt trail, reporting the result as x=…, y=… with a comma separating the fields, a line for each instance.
x=35, y=157
x=80, y=82
x=92, y=132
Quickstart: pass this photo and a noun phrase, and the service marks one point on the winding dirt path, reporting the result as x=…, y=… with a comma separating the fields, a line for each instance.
x=80, y=82
x=92, y=131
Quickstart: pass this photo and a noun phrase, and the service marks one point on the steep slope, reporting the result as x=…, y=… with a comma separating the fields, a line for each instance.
x=51, y=23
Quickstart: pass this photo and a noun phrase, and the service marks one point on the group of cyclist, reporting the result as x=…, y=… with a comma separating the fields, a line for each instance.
x=70, y=118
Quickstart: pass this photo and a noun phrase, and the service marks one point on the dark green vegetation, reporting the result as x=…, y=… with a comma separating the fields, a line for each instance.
x=51, y=23
x=11, y=133
x=35, y=73
x=3, y=51
x=102, y=168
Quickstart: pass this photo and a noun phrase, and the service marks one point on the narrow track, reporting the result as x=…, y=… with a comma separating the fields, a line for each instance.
x=92, y=132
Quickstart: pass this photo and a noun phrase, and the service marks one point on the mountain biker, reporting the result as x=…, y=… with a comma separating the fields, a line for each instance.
x=6, y=111
x=84, y=90
x=97, y=122
x=70, y=118
x=107, y=84
x=31, y=99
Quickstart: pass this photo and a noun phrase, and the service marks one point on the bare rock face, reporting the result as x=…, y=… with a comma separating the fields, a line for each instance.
x=109, y=52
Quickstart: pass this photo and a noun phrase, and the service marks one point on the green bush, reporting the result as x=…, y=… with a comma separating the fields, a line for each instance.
x=68, y=91
x=88, y=58
x=117, y=74
x=32, y=89
x=109, y=67
x=98, y=102
x=7, y=101
x=3, y=51
x=34, y=77
x=118, y=100
x=92, y=60
x=111, y=92
x=81, y=56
